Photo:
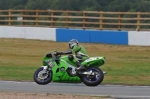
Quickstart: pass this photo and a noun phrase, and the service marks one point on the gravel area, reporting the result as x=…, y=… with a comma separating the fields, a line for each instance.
x=14, y=95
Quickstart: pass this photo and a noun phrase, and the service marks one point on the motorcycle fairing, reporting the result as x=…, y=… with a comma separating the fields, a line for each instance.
x=60, y=72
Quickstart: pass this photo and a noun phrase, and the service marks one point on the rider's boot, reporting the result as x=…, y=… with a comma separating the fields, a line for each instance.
x=80, y=67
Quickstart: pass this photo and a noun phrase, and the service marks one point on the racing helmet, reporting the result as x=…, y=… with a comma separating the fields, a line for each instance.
x=72, y=43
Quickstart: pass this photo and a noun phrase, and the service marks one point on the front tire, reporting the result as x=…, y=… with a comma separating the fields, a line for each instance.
x=42, y=76
x=93, y=80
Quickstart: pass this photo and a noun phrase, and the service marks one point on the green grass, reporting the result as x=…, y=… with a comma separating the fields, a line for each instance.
x=19, y=58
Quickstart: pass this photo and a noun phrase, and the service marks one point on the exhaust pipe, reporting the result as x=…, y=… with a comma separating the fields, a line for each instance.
x=104, y=72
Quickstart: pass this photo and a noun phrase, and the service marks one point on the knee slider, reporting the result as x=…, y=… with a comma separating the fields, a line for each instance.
x=71, y=57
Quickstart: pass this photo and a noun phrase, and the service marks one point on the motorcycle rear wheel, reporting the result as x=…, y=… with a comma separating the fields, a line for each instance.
x=93, y=80
x=42, y=76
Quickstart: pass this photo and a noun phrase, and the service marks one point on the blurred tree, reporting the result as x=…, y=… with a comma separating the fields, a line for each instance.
x=37, y=4
x=97, y=5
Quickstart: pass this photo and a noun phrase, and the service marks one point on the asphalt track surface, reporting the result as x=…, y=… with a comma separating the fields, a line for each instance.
x=116, y=91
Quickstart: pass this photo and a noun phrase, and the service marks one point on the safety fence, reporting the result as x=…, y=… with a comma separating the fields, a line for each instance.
x=99, y=20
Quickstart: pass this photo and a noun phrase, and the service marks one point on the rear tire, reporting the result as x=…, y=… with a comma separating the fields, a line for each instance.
x=47, y=77
x=93, y=80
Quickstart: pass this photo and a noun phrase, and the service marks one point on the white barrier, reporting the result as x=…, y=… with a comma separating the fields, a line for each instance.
x=139, y=38
x=28, y=32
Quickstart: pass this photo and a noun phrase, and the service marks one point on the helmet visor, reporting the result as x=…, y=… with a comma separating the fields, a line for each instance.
x=72, y=44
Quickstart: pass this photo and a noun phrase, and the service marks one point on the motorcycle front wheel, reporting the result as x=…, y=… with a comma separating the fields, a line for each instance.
x=42, y=76
x=93, y=80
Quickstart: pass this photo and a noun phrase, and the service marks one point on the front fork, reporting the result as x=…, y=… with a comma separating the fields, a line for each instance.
x=46, y=67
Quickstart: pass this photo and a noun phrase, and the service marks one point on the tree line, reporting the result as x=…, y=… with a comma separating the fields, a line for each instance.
x=78, y=5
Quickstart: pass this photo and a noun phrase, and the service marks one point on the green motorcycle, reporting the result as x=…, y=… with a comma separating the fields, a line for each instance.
x=58, y=68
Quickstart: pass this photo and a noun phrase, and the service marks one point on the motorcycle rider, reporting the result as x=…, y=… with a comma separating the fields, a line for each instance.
x=79, y=51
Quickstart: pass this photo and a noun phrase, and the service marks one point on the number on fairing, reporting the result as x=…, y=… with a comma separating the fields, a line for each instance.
x=90, y=59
